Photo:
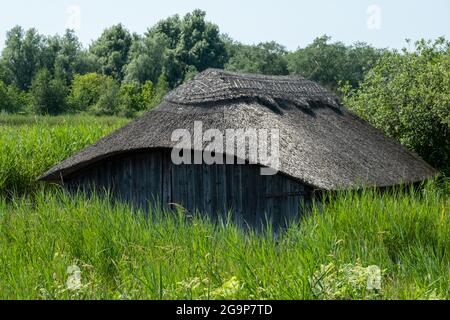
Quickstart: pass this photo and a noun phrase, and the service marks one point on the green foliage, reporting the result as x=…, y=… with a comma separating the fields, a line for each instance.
x=147, y=95
x=148, y=58
x=86, y=62
x=407, y=96
x=108, y=99
x=199, y=44
x=64, y=57
x=191, y=72
x=112, y=49
x=329, y=63
x=22, y=53
x=130, y=99
x=12, y=100
x=66, y=62
x=48, y=96
x=29, y=145
x=162, y=87
x=176, y=47
x=265, y=58
x=85, y=91
x=102, y=95
x=27, y=52
x=94, y=93
x=6, y=103
x=6, y=75
x=150, y=96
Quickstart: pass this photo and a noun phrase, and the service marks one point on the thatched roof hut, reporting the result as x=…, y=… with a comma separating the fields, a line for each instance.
x=322, y=144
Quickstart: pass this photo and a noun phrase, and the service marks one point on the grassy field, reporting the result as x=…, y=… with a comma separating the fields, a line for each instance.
x=29, y=145
x=363, y=245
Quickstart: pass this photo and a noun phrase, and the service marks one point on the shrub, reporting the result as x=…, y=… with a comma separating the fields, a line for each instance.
x=130, y=99
x=94, y=93
x=108, y=101
x=407, y=96
x=147, y=95
x=48, y=95
x=12, y=99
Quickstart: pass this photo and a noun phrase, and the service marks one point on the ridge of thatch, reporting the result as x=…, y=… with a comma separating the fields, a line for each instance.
x=214, y=85
x=321, y=143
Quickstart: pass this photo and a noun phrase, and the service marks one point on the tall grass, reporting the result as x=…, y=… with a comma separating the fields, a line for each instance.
x=123, y=254
x=29, y=145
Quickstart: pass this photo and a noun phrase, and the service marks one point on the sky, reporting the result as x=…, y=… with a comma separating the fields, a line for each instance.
x=292, y=23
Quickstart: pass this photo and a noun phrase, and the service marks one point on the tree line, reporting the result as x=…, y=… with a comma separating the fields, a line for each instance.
x=125, y=73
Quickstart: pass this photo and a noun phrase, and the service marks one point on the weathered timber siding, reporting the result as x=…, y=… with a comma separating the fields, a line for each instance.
x=149, y=179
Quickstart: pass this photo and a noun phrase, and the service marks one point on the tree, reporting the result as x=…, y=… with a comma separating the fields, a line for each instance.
x=170, y=28
x=162, y=87
x=265, y=58
x=176, y=47
x=320, y=61
x=329, y=63
x=22, y=55
x=27, y=52
x=85, y=91
x=50, y=50
x=108, y=101
x=12, y=100
x=407, y=96
x=86, y=62
x=64, y=56
x=112, y=49
x=66, y=60
x=134, y=99
x=94, y=93
x=130, y=99
x=146, y=95
x=361, y=57
x=48, y=96
x=190, y=73
x=5, y=100
x=147, y=59
x=5, y=73
x=199, y=43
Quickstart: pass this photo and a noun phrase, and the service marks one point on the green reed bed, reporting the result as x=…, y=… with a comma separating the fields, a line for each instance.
x=29, y=145
x=363, y=245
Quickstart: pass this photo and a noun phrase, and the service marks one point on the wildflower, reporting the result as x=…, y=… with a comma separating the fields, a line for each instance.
x=193, y=287
x=228, y=289
x=73, y=269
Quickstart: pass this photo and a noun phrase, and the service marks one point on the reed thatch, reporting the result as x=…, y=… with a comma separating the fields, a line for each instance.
x=321, y=143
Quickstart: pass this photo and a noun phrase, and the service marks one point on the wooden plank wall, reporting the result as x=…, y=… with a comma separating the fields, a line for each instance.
x=149, y=179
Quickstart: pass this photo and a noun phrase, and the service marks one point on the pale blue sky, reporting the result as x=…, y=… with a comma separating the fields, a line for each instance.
x=291, y=23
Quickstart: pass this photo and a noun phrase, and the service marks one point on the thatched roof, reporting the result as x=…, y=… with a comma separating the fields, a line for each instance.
x=321, y=143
